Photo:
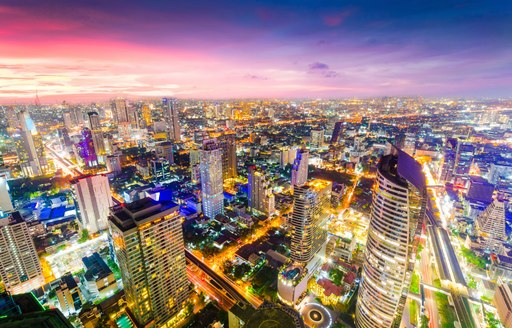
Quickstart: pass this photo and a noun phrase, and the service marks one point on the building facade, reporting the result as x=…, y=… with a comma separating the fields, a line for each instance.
x=311, y=203
x=300, y=168
x=20, y=269
x=93, y=196
x=211, y=179
x=261, y=197
x=397, y=215
x=147, y=238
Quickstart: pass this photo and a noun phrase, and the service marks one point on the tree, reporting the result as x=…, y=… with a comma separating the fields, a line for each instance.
x=84, y=237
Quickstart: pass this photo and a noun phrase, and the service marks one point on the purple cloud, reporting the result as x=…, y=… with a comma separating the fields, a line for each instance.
x=318, y=66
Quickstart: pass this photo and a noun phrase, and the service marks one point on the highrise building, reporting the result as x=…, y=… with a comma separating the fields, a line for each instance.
x=490, y=225
x=97, y=135
x=164, y=150
x=86, y=149
x=229, y=164
x=211, y=179
x=26, y=146
x=336, y=132
x=94, y=199
x=67, y=120
x=114, y=164
x=148, y=245
x=300, y=168
x=146, y=115
x=5, y=197
x=172, y=119
x=448, y=160
x=287, y=156
x=311, y=202
x=463, y=162
x=397, y=216
x=20, y=269
x=120, y=111
x=317, y=138
x=261, y=197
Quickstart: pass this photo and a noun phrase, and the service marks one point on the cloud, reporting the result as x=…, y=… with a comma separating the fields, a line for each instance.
x=318, y=66
x=337, y=19
x=255, y=77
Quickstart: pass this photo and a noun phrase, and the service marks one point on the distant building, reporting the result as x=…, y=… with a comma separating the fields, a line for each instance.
x=69, y=295
x=300, y=168
x=336, y=132
x=86, y=150
x=463, y=162
x=172, y=119
x=317, y=138
x=164, y=150
x=397, y=216
x=120, y=111
x=29, y=147
x=148, y=244
x=287, y=156
x=20, y=269
x=448, y=160
x=97, y=135
x=261, y=197
x=94, y=199
x=212, y=187
x=98, y=278
x=114, y=164
x=227, y=143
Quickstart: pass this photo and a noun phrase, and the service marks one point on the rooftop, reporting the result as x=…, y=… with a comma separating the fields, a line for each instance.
x=131, y=215
x=96, y=267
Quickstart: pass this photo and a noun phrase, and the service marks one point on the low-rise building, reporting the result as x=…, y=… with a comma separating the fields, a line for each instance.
x=98, y=278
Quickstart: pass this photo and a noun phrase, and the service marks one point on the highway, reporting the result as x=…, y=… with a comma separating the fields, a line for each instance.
x=238, y=293
x=195, y=277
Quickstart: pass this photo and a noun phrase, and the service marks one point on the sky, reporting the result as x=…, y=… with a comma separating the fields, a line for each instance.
x=96, y=50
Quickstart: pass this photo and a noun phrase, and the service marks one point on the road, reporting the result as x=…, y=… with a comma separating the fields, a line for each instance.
x=239, y=293
x=64, y=163
x=195, y=277
x=427, y=278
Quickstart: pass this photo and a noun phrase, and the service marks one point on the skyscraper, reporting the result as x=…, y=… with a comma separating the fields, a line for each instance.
x=5, y=197
x=336, y=132
x=211, y=179
x=317, y=138
x=86, y=149
x=397, y=215
x=97, y=135
x=261, y=197
x=463, y=162
x=448, y=160
x=164, y=150
x=26, y=146
x=20, y=269
x=311, y=202
x=148, y=245
x=94, y=199
x=300, y=168
x=172, y=119
x=120, y=111
x=229, y=164
x=490, y=225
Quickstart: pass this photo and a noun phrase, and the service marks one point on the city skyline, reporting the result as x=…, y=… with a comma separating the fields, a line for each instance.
x=228, y=50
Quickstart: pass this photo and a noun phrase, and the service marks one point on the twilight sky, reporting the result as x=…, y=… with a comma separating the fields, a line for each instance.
x=69, y=50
